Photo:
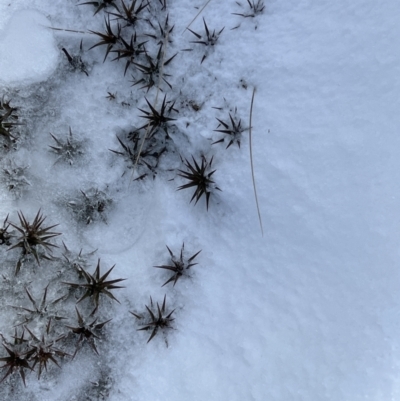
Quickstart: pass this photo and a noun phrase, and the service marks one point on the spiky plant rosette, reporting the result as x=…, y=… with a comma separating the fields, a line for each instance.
x=178, y=266
x=90, y=205
x=8, y=119
x=199, y=177
x=96, y=285
x=87, y=331
x=100, y=5
x=157, y=319
x=68, y=150
x=208, y=39
x=34, y=238
x=131, y=13
x=232, y=129
x=43, y=350
x=256, y=8
x=141, y=153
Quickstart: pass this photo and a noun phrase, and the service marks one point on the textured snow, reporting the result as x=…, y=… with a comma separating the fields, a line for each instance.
x=28, y=51
x=309, y=311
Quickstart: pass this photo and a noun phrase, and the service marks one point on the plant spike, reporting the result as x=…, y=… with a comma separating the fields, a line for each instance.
x=129, y=14
x=100, y=4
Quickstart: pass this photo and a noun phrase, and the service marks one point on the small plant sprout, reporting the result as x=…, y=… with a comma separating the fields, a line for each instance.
x=34, y=236
x=256, y=8
x=76, y=61
x=158, y=119
x=232, y=128
x=108, y=38
x=41, y=310
x=100, y=4
x=86, y=331
x=179, y=266
x=68, y=150
x=131, y=14
x=209, y=39
x=96, y=285
x=156, y=320
x=43, y=351
x=5, y=235
x=16, y=361
x=199, y=176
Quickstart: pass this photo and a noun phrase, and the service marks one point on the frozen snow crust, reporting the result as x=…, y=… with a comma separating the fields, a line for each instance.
x=307, y=312
x=28, y=50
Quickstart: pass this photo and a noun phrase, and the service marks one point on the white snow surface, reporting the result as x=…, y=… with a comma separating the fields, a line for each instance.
x=307, y=311
x=28, y=51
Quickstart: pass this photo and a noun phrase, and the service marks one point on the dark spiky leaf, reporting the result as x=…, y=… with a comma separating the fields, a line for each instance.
x=179, y=266
x=16, y=361
x=157, y=319
x=97, y=284
x=34, y=235
x=199, y=176
x=256, y=8
x=87, y=331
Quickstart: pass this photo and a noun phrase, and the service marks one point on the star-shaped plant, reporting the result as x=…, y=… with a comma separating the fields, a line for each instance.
x=43, y=351
x=86, y=331
x=156, y=320
x=96, y=285
x=233, y=128
x=76, y=61
x=209, y=39
x=8, y=119
x=33, y=236
x=199, y=176
x=68, y=150
x=179, y=266
x=151, y=71
x=40, y=309
x=158, y=119
x=16, y=361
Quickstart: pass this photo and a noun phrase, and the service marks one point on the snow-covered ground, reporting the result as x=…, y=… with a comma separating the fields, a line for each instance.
x=307, y=311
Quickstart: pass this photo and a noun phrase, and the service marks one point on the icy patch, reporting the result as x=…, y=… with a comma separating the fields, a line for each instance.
x=28, y=51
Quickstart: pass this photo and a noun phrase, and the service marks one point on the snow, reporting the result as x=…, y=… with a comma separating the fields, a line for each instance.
x=28, y=50
x=308, y=311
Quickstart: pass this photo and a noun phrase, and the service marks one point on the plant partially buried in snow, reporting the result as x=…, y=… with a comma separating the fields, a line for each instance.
x=157, y=319
x=179, y=266
x=86, y=331
x=68, y=150
x=34, y=238
x=91, y=206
